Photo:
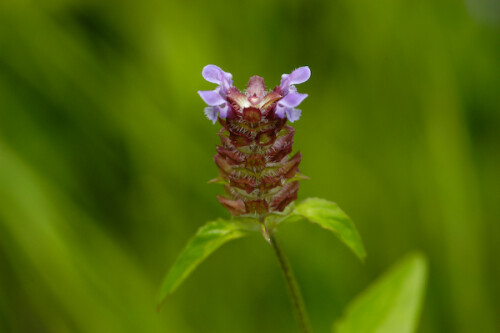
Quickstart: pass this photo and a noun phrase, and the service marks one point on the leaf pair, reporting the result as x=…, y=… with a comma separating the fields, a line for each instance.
x=214, y=234
x=391, y=304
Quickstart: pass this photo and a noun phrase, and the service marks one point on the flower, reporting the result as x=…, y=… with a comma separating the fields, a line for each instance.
x=254, y=157
x=291, y=97
x=226, y=99
x=287, y=106
x=216, y=99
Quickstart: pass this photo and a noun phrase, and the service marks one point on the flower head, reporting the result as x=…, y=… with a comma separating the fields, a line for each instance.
x=253, y=158
x=227, y=101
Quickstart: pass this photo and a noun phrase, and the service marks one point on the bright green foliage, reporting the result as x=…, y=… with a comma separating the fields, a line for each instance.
x=329, y=216
x=214, y=234
x=104, y=152
x=208, y=239
x=392, y=303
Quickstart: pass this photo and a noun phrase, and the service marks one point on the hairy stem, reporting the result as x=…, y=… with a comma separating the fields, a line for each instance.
x=292, y=286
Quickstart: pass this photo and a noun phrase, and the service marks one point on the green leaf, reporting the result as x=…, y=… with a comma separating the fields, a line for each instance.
x=207, y=239
x=329, y=216
x=392, y=303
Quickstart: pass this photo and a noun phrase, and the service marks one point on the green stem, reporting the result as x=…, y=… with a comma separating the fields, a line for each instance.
x=293, y=288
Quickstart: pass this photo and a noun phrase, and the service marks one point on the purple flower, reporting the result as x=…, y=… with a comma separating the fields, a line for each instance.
x=216, y=99
x=212, y=112
x=226, y=101
x=287, y=105
x=291, y=97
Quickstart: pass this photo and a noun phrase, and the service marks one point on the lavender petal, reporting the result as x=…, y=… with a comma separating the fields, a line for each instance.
x=216, y=75
x=292, y=99
x=211, y=97
x=299, y=75
x=223, y=110
x=212, y=112
x=293, y=114
x=213, y=74
x=280, y=110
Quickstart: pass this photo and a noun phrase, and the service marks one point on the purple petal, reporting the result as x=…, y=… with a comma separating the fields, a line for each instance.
x=223, y=110
x=292, y=99
x=228, y=77
x=300, y=75
x=293, y=114
x=211, y=97
x=211, y=112
x=216, y=75
x=280, y=110
x=213, y=74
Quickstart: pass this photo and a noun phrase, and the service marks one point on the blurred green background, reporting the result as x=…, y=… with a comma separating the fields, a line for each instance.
x=105, y=154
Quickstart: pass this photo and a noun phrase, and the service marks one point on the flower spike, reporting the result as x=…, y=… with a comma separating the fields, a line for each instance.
x=253, y=158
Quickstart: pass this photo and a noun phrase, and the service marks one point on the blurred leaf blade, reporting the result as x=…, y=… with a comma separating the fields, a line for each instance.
x=329, y=216
x=207, y=239
x=392, y=303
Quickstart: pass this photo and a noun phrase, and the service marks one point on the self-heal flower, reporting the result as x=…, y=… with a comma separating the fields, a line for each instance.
x=253, y=158
x=216, y=99
x=260, y=176
x=287, y=106
x=291, y=97
x=218, y=105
